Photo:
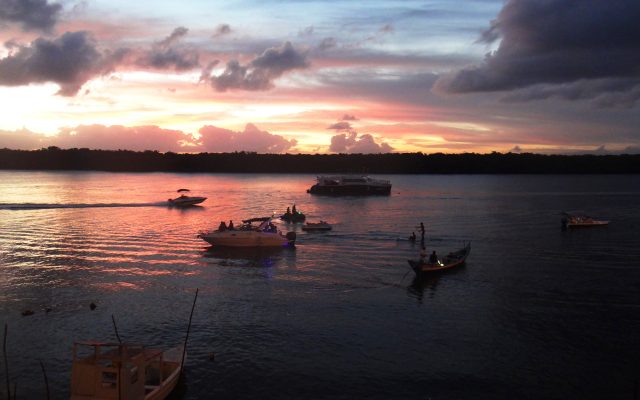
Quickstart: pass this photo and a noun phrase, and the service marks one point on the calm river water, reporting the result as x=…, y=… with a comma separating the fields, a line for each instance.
x=536, y=313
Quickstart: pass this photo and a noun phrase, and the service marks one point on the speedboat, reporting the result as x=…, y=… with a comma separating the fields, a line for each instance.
x=248, y=235
x=350, y=186
x=185, y=201
x=316, y=226
x=123, y=371
x=580, y=221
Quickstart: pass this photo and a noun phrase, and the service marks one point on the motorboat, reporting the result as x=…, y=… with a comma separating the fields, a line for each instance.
x=347, y=185
x=266, y=234
x=104, y=371
x=185, y=201
x=321, y=226
x=580, y=221
x=451, y=260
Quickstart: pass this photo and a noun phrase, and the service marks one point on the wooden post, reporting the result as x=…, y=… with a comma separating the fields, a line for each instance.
x=184, y=348
x=46, y=381
x=6, y=364
x=116, y=328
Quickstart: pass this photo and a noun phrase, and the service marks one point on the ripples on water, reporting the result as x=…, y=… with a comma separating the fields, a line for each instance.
x=536, y=313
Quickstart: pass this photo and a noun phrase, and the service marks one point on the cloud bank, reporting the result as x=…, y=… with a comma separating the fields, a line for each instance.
x=139, y=138
x=557, y=42
x=167, y=53
x=69, y=60
x=260, y=73
x=31, y=15
x=219, y=140
x=350, y=142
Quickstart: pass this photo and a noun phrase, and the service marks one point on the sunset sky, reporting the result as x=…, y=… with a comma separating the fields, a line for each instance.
x=549, y=76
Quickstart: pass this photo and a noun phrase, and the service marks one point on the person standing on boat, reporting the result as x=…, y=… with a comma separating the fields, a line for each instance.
x=222, y=227
x=422, y=233
x=293, y=210
x=230, y=225
x=412, y=238
x=433, y=258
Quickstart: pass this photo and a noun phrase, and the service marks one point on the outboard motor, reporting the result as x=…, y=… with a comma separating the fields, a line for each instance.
x=291, y=237
x=564, y=222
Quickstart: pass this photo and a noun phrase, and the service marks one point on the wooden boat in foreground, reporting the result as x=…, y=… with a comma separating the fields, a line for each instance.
x=451, y=260
x=123, y=371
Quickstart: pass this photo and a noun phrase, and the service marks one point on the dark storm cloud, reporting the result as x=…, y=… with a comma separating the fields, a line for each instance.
x=341, y=126
x=176, y=35
x=260, y=73
x=221, y=30
x=555, y=42
x=327, y=43
x=602, y=92
x=30, y=14
x=205, y=75
x=70, y=61
x=167, y=53
x=308, y=31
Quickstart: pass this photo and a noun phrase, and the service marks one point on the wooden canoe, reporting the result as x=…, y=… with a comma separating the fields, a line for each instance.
x=451, y=260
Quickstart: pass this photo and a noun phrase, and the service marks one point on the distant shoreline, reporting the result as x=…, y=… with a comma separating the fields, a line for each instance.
x=57, y=159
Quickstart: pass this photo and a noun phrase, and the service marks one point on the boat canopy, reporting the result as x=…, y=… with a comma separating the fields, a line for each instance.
x=183, y=190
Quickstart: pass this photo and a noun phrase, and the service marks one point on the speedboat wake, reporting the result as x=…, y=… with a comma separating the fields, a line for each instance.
x=47, y=206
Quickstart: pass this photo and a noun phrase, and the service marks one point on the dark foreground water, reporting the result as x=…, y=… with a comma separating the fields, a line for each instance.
x=536, y=313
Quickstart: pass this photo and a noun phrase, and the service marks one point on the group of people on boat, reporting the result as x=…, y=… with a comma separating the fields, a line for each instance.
x=433, y=257
x=293, y=215
x=412, y=237
x=270, y=227
x=223, y=227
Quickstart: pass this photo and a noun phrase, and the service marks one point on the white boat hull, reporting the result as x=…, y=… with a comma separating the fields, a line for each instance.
x=237, y=238
x=186, y=201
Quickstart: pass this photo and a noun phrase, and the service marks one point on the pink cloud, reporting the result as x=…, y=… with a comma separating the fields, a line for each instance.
x=214, y=139
x=138, y=138
x=21, y=140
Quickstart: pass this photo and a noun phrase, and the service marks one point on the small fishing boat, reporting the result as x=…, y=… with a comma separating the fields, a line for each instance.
x=451, y=260
x=293, y=215
x=316, y=226
x=248, y=235
x=580, y=221
x=104, y=371
x=185, y=201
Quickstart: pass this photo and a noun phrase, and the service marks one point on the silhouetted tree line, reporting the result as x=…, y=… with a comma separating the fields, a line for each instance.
x=53, y=158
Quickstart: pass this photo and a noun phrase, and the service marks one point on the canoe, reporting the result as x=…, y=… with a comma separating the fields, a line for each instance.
x=451, y=260
x=575, y=220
